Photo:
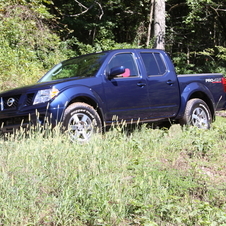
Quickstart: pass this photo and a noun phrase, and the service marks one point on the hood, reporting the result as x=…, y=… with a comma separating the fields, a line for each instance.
x=28, y=88
x=38, y=86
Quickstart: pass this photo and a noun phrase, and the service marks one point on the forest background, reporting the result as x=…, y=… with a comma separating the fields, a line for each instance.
x=146, y=177
x=37, y=34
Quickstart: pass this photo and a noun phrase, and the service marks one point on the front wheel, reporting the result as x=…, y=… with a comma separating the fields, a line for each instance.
x=81, y=121
x=197, y=113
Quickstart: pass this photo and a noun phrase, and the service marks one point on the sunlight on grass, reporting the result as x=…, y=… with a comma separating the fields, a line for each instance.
x=141, y=177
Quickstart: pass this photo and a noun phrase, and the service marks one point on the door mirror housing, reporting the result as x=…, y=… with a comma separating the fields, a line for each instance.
x=116, y=71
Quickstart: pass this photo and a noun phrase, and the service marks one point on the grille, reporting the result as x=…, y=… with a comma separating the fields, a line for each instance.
x=11, y=102
x=29, y=99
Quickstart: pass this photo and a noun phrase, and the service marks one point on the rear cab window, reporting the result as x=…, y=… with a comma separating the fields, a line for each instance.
x=153, y=63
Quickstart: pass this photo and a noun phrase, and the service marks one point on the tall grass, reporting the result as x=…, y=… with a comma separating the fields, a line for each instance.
x=142, y=177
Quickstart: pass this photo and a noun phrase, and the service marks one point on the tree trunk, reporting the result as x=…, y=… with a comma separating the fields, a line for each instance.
x=159, y=24
x=150, y=22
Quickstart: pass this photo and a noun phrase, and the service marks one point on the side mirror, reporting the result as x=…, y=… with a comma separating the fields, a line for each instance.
x=116, y=71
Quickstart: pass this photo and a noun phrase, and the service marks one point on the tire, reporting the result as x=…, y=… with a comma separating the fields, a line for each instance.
x=197, y=113
x=81, y=121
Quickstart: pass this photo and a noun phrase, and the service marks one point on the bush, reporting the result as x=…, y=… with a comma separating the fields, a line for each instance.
x=27, y=45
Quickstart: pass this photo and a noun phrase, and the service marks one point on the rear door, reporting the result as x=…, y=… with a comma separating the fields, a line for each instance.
x=162, y=85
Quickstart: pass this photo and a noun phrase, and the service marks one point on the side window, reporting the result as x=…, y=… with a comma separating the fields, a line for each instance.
x=153, y=63
x=126, y=60
x=161, y=64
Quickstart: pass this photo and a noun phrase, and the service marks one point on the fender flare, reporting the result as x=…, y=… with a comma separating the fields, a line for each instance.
x=85, y=94
x=196, y=90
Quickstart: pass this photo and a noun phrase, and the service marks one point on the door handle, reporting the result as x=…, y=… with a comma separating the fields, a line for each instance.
x=141, y=84
x=169, y=82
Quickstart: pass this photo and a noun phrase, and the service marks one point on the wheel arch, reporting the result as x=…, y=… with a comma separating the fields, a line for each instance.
x=196, y=90
x=89, y=101
x=203, y=96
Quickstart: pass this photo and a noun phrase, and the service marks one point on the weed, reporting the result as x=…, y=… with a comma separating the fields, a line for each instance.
x=142, y=177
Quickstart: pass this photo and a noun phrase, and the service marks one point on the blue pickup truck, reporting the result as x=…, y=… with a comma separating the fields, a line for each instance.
x=86, y=93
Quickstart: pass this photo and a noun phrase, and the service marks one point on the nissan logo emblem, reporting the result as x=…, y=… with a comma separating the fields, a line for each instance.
x=10, y=102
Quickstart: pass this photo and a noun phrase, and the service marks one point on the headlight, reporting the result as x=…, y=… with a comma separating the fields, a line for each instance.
x=45, y=95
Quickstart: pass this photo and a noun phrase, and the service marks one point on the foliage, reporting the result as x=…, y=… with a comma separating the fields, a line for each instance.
x=91, y=20
x=27, y=45
x=194, y=27
x=104, y=44
x=142, y=176
x=36, y=34
x=181, y=66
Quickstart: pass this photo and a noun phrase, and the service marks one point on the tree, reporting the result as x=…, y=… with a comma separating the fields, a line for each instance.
x=134, y=22
x=159, y=24
x=196, y=32
x=27, y=44
x=150, y=23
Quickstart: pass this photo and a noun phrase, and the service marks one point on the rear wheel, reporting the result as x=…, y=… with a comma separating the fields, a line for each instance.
x=81, y=121
x=197, y=113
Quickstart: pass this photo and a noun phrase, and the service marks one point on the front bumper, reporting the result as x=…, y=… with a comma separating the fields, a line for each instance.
x=14, y=120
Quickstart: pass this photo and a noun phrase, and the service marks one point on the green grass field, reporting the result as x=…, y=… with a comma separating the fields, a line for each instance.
x=145, y=177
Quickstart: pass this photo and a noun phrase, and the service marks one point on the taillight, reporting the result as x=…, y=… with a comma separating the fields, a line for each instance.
x=224, y=83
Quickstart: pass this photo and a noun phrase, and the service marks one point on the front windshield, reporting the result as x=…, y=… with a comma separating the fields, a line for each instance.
x=82, y=67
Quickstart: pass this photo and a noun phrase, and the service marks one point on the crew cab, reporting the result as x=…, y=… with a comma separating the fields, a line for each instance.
x=86, y=93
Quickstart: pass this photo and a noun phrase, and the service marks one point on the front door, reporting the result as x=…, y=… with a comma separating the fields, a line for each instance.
x=126, y=94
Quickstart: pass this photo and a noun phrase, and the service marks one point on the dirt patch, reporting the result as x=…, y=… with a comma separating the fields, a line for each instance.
x=221, y=113
x=216, y=174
